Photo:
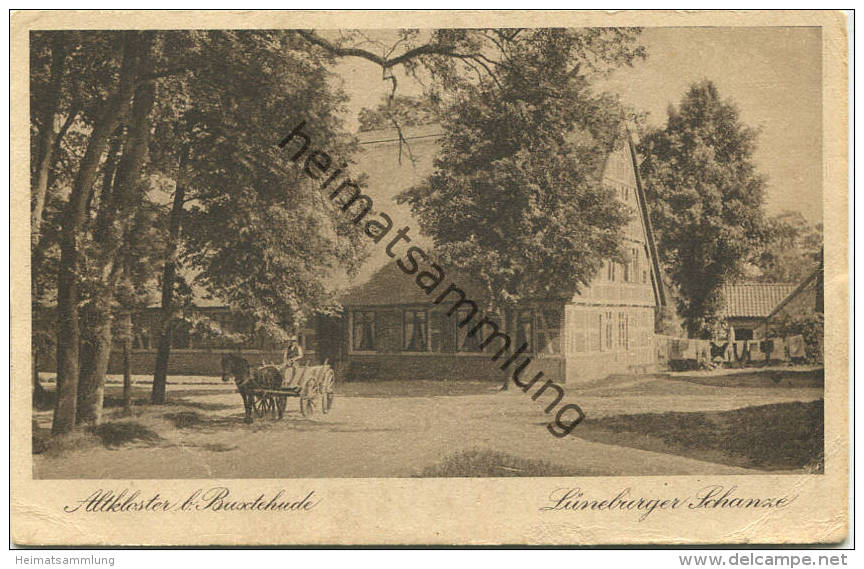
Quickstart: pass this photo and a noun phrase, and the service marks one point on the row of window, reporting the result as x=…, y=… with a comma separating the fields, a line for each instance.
x=633, y=271
x=622, y=191
x=423, y=331
x=606, y=330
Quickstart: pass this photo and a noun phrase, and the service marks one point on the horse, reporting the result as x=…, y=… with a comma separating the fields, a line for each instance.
x=237, y=368
x=248, y=380
x=269, y=377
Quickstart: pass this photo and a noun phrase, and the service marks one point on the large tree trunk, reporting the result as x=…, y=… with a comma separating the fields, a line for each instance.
x=96, y=342
x=47, y=135
x=68, y=334
x=169, y=275
x=126, y=327
x=116, y=212
x=95, y=317
x=49, y=142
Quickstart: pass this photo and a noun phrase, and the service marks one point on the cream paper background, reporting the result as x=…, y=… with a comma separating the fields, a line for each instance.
x=441, y=511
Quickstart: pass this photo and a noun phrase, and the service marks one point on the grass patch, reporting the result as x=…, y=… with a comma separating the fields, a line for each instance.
x=41, y=438
x=780, y=436
x=117, y=434
x=44, y=443
x=110, y=435
x=185, y=419
x=486, y=463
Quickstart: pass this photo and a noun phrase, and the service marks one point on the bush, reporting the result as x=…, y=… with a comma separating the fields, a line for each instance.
x=487, y=463
x=811, y=326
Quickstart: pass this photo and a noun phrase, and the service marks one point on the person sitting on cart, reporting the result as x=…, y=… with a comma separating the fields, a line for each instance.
x=293, y=353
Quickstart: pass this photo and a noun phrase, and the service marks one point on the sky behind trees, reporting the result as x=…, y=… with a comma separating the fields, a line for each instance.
x=772, y=74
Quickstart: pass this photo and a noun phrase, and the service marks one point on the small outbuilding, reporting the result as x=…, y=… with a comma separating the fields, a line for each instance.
x=746, y=306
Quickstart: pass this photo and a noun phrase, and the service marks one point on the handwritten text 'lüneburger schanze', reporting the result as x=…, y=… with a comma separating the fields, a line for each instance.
x=215, y=499
x=709, y=498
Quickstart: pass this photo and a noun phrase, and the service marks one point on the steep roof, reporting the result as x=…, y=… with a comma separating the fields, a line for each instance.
x=754, y=300
x=390, y=285
x=656, y=273
x=816, y=277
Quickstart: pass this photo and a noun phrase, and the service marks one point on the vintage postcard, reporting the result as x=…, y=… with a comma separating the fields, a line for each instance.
x=443, y=278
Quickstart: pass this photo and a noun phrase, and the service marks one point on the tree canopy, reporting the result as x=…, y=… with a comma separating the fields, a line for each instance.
x=516, y=198
x=259, y=236
x=706, y=199
x=793, y=250
x=136, y=134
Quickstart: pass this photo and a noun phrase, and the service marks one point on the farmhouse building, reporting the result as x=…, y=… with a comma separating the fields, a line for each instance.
x=390, y=329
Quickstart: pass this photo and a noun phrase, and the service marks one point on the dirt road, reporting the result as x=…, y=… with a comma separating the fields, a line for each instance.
x=203, y=435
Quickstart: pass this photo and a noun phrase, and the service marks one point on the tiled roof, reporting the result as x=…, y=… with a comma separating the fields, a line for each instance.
x=755, y=300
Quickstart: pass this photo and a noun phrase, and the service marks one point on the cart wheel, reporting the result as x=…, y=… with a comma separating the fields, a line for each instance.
x=260, y=405
x=267, y=406
x=307, y=406
x=327, y=402
x=327, y=392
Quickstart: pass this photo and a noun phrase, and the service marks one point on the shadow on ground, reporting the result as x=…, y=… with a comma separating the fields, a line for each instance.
x=113, y=402
x=781, y=436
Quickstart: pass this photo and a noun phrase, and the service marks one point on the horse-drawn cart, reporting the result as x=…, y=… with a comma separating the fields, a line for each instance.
x=265, y=389
x=313, y=385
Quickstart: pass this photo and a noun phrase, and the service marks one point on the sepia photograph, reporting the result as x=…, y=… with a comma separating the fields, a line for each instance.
x=565, y=250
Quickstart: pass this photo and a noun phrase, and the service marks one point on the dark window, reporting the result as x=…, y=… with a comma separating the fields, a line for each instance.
x=743, y=334
x=467, y=342
x=415, y=331
x=436, y=336
x=471, y=342
x=524, y=329
x=363, y=331
x=549, y=331
x=623, y=330
x=609, y=335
